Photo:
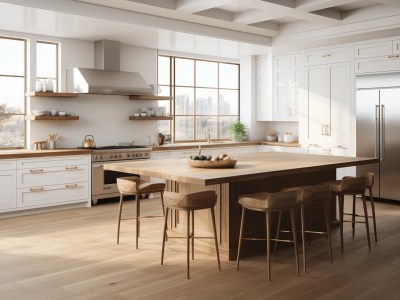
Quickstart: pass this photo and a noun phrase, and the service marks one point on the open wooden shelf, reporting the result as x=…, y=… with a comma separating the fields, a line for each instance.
x=133, y=118
x=149, y=97
x=51, y=94
x=52, y=118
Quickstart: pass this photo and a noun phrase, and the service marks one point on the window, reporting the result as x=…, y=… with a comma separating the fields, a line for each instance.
x=12, y=92
x=47, y=62
x=205, y=97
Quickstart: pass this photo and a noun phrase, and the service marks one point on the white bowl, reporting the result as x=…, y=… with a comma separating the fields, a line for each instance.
x=272, y=138
x=136, y=114
x=143, y=114
x=53, y=112
x=62, y=113
x=39, y=112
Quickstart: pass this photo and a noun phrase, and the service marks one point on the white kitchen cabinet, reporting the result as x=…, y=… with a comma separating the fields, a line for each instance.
x=328, y=98
x=286, y=79
x=47, y=181
x=267, y=148
x=264, y=98
x=8, y=181
x=376, y=57
x=326, y=56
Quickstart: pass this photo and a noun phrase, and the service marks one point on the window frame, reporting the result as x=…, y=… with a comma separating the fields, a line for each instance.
x=57, y=62
x=173, y=86
x=25, y=89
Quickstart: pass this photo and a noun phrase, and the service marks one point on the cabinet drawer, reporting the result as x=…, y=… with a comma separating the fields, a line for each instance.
x=327, y=56
x=7, y=164
x=43, y=162
x=377, y=64
x=373, y=50
x=53, y=195
x=8, y=190
x=53, y=175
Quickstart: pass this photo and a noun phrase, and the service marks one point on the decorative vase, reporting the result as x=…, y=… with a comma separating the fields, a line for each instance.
x=49, y=85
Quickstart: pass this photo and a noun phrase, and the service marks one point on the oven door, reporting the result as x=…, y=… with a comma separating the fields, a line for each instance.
x=104, y=181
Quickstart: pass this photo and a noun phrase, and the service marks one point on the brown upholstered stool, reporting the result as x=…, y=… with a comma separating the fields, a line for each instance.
x=311, y=195
x=350, y=186
x=190, y=203
x=268, y=203
x=370, y=183
x=135, y=186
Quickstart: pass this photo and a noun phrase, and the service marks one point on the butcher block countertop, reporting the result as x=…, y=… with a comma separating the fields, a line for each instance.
x=249, y=167
x=24, y=153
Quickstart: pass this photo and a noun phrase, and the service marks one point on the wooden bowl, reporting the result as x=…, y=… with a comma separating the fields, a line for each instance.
x=212, y=164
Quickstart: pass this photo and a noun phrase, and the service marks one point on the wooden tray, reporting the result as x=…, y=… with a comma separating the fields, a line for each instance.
x=212, y=164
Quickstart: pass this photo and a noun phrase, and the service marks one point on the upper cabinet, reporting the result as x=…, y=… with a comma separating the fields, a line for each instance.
x=377, y=57
x=286, y=79
x=264, y=100
x=327, y=56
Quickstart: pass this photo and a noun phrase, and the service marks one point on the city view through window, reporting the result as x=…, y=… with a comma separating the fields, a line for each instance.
x=205, y=93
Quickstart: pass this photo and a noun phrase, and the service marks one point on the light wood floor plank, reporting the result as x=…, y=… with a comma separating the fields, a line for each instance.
x=73, y=254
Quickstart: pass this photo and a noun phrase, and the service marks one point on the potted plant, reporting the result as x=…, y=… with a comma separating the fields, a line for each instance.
x=237, y=131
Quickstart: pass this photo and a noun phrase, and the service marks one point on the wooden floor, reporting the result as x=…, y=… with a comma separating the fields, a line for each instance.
x=72, y=254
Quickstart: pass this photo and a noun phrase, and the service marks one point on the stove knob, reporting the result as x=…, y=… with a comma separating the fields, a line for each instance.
x=140, y=154
x=128, y=155
x=111, y=156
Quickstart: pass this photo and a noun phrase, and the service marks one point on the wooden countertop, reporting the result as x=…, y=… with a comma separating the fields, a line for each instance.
x=24, y=153
x=216, y=144
x=249, y=166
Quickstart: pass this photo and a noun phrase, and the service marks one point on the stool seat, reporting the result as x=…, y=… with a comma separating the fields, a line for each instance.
x=133, y=185
x=190, y=203
x=268, y=203
x=194, y=201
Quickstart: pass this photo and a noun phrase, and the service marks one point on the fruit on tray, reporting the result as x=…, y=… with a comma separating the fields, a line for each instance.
x=220, y=157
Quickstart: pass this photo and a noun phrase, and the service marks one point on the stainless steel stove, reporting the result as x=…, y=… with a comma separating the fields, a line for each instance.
x=104, y=182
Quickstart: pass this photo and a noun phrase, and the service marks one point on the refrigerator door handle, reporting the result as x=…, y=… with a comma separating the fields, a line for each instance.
x=377, y=113
x=383, y=134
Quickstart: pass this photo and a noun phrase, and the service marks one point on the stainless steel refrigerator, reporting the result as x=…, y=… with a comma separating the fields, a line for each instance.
x=378, y=130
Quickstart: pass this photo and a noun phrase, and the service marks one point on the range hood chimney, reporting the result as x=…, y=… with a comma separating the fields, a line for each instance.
x=106, y=78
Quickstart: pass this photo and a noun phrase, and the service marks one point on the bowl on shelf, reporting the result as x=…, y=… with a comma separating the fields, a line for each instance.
x=39, y=112
x=62, y=113
x=272, y=138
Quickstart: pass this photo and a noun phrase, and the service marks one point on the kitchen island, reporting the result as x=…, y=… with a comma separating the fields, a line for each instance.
x=255, y=172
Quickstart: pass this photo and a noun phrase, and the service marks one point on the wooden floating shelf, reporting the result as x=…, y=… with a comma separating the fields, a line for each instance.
x=133, y=118
x=52, y=118
x=149, y=97
x=50, y=94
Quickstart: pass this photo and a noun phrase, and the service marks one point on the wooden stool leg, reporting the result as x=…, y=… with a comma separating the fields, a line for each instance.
x=292, y=217
x=215, y=237
x=366, y=220
x=303, y=237
x=137, y=220
x=121, y=200
x=268, y=229
x=240, y=238
x=353, y=215
x=162, y=202
x=164, y=235
x=371, y=198
x=328, y=228
x=187, y=242
x=309, y=224
x=341, y=202
x=278, y=230
x=192, y=234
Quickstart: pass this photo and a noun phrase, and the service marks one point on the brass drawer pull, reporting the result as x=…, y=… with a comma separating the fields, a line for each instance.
x=71, y=186
x=71, y=168
x=327, y=55
x=393, y=56
x=36, y=170
x=36, y=189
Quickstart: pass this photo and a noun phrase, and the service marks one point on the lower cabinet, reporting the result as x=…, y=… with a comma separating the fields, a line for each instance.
x=266, y=148
x=8, y=179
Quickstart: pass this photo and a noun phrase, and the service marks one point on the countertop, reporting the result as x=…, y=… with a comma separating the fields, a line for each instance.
x=219, y=144
x=24, y=153
x=249, y=166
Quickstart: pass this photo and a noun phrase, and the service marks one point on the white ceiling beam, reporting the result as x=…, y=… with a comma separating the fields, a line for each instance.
x=256, y=16
x=394, y=3
x=266, y=25
x=169, y=4
x=313, y=5
x=194, y=6
x=216, y=13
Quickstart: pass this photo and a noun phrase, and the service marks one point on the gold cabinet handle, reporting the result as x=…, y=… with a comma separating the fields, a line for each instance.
x=326, y=55
x=71, y=168
x=393, y=56
x=36, y=170
x=40, y=189
x=71, y=186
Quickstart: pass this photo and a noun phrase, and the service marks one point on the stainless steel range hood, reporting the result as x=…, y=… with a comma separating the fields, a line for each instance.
x=106, y=78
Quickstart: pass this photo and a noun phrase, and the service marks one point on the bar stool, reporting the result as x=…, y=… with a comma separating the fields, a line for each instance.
x=135, y=186
x=190, y=203
x=268, y=203
x=370, y=183
x=307, y=196
x=350, y=186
